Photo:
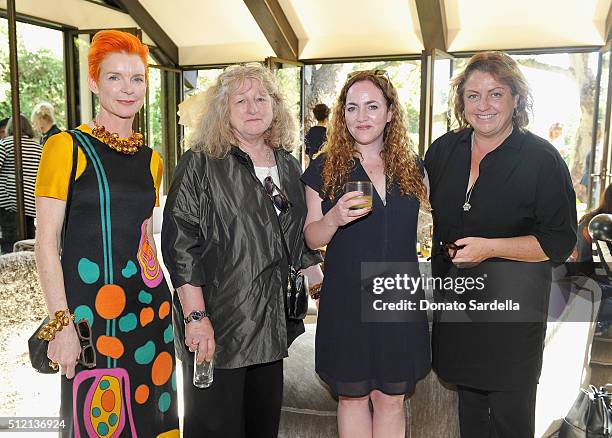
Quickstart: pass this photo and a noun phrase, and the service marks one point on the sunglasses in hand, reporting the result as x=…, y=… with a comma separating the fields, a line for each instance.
x=448, y=251
x=87, y=357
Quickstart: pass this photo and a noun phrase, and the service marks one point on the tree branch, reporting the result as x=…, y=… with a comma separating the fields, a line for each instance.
x=532, y=63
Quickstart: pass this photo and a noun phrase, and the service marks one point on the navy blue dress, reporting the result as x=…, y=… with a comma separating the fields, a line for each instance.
x=355, y=357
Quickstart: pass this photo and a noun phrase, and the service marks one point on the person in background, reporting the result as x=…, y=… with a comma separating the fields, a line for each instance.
x=583, y=251
x=583, y=256
x=108, y=276
x=504, y=211
x=30, y=156
x=556, y=138
x=316, y=136
x=3, y=123
x=43, y=120
x=222, y=244
x=366, y=361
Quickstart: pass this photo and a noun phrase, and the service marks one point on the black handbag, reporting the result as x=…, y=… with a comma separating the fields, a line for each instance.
x=297, y=286
x=297, y=294
x=590, y=416
x=37, y=348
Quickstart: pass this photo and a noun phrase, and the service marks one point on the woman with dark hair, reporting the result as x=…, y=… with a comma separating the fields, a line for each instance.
x=504, y=213
x=105, y=288
x=583, y=256
x=316, y=136
x=30, y=156
x=583, y=251
x=375, y=360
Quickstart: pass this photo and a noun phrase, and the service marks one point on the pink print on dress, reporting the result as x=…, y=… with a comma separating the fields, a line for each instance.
x=107, y=403
x=149, y=265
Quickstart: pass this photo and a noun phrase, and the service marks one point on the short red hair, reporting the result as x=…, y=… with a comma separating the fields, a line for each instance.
x=106, y=42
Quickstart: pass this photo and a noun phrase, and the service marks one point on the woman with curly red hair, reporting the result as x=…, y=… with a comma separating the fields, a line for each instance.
x=366, y=361
x=95, y=191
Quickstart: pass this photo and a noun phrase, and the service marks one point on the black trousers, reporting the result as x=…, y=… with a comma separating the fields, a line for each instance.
x=497, y=414
x=241, y=403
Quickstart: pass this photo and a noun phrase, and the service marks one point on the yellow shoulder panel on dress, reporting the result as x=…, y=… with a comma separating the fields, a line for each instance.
x=55, y=166
x=157, y=170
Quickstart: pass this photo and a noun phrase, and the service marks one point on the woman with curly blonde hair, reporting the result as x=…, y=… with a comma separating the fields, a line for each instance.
x=363, y=356
x=235, y=194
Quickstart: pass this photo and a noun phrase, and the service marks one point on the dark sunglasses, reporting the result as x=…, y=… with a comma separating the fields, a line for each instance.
x=375, y=72
x=448, y=251
x=87, y=358
x=279, y=200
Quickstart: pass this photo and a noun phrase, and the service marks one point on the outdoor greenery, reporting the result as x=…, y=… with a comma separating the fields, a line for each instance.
x=41, y=78
x=153, y=111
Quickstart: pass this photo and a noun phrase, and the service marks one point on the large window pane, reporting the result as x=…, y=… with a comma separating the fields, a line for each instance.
x=323, y=83
x=288, y=79
x=205, y=78
x=41, y=69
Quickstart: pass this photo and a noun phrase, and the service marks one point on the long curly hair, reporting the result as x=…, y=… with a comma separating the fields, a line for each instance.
x=504, y=69
x=400, y=160
x=605, y=206
x=214, y=134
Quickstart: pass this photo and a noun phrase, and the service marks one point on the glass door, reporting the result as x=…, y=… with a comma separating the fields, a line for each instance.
x=289, y=75
x=597, y=174
x=437, y=69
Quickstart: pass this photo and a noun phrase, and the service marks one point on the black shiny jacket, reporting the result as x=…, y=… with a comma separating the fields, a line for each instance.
x=220, y=231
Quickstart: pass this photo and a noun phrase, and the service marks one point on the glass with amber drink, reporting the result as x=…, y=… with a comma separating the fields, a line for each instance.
x=364, y=187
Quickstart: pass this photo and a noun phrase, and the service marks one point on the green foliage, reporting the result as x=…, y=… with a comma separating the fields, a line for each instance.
x=41, y=78
x=154, y=116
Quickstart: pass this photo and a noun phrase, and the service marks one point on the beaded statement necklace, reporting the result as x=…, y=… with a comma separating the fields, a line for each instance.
x=128, y=146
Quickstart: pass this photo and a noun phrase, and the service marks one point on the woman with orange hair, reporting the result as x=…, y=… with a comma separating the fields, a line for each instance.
x=363, y=355
x=112, y=331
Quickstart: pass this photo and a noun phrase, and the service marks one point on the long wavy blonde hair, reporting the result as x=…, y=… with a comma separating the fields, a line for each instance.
x=400, y=160
x=214, y=134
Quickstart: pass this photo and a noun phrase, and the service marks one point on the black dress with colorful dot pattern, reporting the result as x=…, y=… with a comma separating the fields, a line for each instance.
x=114, y=280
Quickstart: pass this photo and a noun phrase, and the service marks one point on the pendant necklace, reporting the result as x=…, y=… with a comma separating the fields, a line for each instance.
x=466, y=205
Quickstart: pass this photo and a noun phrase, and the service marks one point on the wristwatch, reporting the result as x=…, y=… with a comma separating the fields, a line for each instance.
x=196, y=315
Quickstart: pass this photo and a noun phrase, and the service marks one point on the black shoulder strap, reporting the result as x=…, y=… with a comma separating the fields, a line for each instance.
x=75, y=157
x=282, y=233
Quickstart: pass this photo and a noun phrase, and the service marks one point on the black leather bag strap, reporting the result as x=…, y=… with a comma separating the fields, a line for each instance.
x=282, y=234
x=75, y=157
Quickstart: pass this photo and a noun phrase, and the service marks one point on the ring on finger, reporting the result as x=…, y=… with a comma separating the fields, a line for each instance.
x=53, y=365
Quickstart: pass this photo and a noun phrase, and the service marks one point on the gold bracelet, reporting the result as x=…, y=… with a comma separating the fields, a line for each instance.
x=61, y=320
x=315, y=291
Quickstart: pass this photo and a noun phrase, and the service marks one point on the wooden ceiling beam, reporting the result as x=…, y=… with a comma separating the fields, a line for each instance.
x=432, y=18
x=276, y=28
x=608, y=30
x=149, y=26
